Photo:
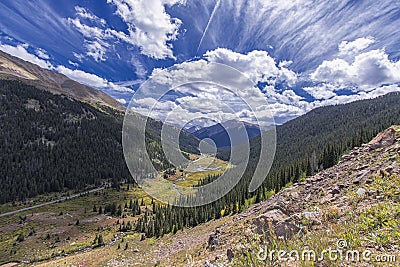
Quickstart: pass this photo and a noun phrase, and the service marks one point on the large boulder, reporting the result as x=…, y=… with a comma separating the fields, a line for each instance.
x=213, y=241
x=276, y=224
x=386, y=138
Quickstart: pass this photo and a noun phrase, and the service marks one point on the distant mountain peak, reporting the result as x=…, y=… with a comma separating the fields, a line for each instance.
x=193, y=129
x=219, y=133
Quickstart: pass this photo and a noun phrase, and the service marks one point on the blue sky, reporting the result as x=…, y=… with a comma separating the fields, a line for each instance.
x=303, y=54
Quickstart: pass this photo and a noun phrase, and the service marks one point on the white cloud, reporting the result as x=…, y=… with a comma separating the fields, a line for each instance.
x=97, y=50
x=41, y=53
x=323, y=91
x=383, y=90
x=337, y=71
x=222, y=93
x=374, y=68
x=92, y=32
x=369, y=69
x=258, y=65
x=119, y=88
x=343, y=99
x=80, y=76
x=83, y=77
x=86, y=14
x=140, y=69
x=150, y=27
x=364, y=76
x=352, y=48
x=21, y=52
x=91, y=79
x=122, y=101
x=95, y=39
x=73, y=63
x=78, y=56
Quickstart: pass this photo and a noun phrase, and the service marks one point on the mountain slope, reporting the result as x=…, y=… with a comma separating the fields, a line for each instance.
x=219, y=133
x=357, y=200
x=53, y=143
x=17, y=69
x=316, y=140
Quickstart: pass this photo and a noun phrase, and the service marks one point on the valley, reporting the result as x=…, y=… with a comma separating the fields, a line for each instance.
x=48, y=223
x=313, y=214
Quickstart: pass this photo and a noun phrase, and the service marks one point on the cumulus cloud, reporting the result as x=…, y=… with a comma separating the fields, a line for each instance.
x=41, y=53
x=343, y=99
x=364, y=77
x=361, y=72
x=122, y=101
x=382, y=90
x=222, y=93
x=258, y=65
x=354, y=47
x=367, y=70
x=21, y=52
x=83, y=77
x=150, y=26
x=321, y=91
x=286, y=104
x=91, y=79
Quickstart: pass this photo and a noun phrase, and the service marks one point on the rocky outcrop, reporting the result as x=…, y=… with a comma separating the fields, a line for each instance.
x=275, y=223
x=212, y=241
x=386, y=138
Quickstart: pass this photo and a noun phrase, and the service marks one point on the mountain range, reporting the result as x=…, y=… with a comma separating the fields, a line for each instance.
x=226, y=134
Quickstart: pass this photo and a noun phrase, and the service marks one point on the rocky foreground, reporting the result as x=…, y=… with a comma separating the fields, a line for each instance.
x=354, y=205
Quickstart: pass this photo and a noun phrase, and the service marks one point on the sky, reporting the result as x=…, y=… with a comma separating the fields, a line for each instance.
x=300, y=54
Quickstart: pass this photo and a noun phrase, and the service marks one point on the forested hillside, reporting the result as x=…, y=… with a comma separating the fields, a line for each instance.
x=52, y=143
x=316, y=140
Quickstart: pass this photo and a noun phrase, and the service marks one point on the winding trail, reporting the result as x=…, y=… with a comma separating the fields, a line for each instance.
x=51, y=202
x=176, y=190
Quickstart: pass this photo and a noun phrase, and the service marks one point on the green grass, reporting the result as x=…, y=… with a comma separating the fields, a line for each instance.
x=368, y=225
x=58, y=221
x=198, y=169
